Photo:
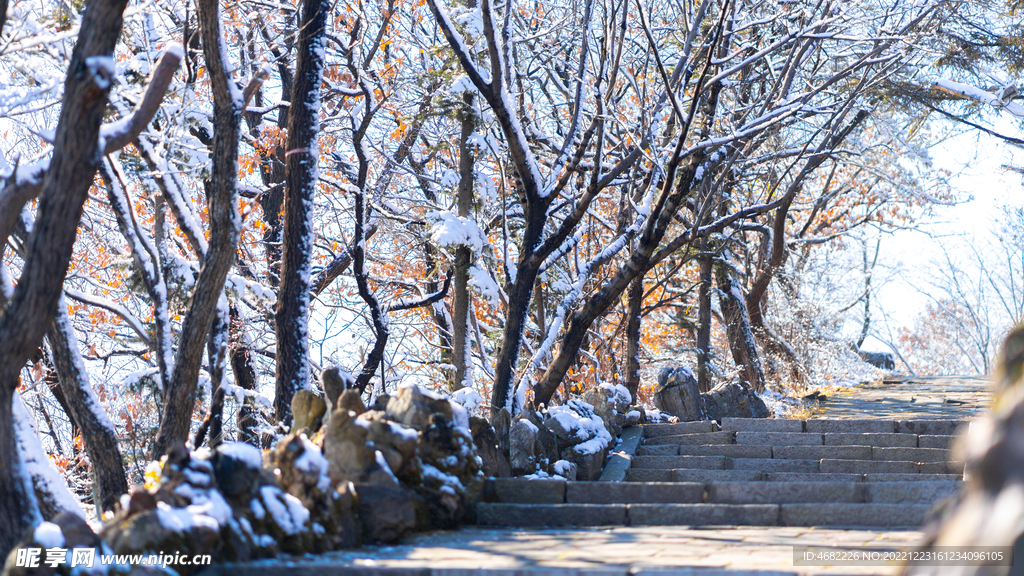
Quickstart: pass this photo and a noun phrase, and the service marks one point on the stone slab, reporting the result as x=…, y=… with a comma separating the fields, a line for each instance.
x=731, y=450
x=889, y=440
x=539, y=515
x=930, y=427
x=914, y=454
x=621, y=460
x=868, y=466
x=874, y=515
x=812, y=477
x=634, y=492
x=851, y=426
x=778, y=438
x=773, y=465
x=669, y=462
x=648, y=475
x=782, y=492
x=692, y=439
x=659, y=450
x=911, y=477
x=935, y=441
x=819, y=452
x=523, y=491
x=762, y=424
x=655, y=430
x=716, y=475
x=703, y=515
x=940, y=468
x=909, y=492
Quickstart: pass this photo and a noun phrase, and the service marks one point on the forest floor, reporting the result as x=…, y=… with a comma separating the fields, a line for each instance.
x=684, y=550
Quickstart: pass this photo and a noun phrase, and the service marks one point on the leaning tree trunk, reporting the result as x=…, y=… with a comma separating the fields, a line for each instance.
x=65, y=188
x=300, y=191
x=741, y=337
x=98, y=433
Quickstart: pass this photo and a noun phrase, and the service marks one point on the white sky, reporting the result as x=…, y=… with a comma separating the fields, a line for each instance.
x=976, y=160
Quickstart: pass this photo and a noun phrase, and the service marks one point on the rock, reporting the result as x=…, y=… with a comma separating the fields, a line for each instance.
x=610, y=402
x=236, y=466
x=588, y=463
x=351, y=401
x=412, y=407
x=452, y=472
x=677, y=394
x=335, y=381
x=523, y=445
x=146, y=533
x=566, y=469
x=380, y=403
x=387, y=513
x=140, y=501
x=351, y=455
x=547, y=449
x=883, y=360
x=502, y=423
x=308, y=411
x=635, y=416
x=396, y=443
x=495, y=464
x=734, y=399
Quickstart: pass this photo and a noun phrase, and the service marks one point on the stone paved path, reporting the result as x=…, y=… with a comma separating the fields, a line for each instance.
x=910, y=397
x=615, y=551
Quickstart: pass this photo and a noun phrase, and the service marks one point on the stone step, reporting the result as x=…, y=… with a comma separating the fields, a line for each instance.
x=634, y=492
x=685, y=475
x=816, y=514
x=850, y=426
x=778, y=438
x=915, y=454
x=731, y=450
x=804, y=465
x=819, y=452
x=931, y=427
x=762, y=425
x=829, y=492
x=850, y=515
x=655, y=430
x=754, y=492
x=935, y=441
x=856, y=439
x=693, y=439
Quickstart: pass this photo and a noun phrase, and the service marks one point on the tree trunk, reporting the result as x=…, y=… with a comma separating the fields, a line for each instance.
x=741, y=337
x=180, y=397
x=704, y=323
x=635, y=307
x=65, y=189
x=245, y=378
x=300, y=191
x=463, y=255
x=98, y=433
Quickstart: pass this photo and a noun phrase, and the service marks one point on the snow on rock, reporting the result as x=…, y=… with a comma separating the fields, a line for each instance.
x=468, y=398
x=243, y=452
x=48, y=535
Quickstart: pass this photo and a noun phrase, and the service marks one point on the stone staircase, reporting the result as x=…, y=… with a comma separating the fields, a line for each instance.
x=749, y=472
